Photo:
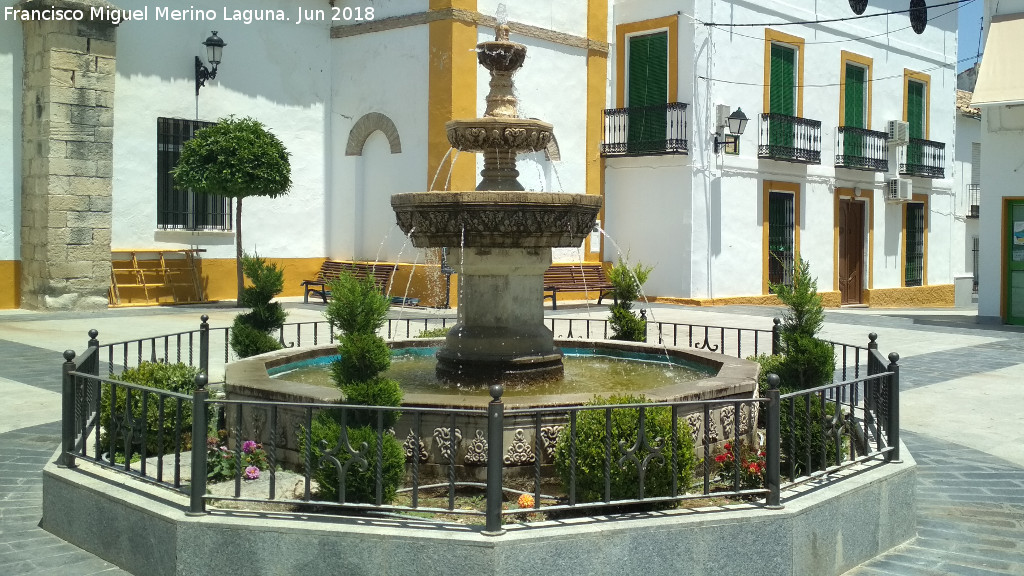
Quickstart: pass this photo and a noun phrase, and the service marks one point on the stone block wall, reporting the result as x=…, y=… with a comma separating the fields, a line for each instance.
x=67, y=159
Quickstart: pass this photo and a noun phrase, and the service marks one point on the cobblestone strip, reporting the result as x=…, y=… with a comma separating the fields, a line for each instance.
x=970, y=515
x=25, y=548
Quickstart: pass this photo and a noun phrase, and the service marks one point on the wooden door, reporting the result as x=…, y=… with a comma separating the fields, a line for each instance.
x=851, y=250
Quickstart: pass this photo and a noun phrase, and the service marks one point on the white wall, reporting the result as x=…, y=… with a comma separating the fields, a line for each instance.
x=968, y=131
x=385, y=72
x=564, y=16
x=11, y=64
x=275, y=72
x=650, y=200
x=1001, y=174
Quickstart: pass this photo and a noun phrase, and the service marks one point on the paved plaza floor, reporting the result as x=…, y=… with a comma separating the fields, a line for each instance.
x=962, y=400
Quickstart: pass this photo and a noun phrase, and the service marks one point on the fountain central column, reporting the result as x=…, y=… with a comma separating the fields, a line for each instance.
x=500, y=332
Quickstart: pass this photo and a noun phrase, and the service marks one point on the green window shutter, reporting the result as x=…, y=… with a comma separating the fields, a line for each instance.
x=648, y=92
x=854, y=113
x=782, y=92
x=914, y=245
x=915, y=108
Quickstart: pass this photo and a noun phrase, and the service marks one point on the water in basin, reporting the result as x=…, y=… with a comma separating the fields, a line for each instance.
x=587, y=371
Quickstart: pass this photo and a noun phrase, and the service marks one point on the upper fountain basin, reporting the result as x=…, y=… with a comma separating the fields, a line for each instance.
x=488, y=219
x=517, y=135
x=501, y=55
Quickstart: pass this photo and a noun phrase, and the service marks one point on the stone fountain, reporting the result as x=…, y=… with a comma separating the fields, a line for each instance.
x=501, y=236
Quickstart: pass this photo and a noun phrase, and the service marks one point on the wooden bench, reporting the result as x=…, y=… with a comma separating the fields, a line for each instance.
x=330, y=270
x=576, y=278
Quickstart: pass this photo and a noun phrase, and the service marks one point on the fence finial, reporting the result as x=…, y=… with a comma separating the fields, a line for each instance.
x=204, y=318
x=201, y=381
x=773, y=381
x=872, y=341
x=94, y=333
x=69, y=355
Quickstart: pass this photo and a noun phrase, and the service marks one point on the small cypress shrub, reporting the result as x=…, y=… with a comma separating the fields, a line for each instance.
x=162, y=376
x=591, y=447
x=250, y=333
x=807, y=361
x=627, y=283
x=359, y=310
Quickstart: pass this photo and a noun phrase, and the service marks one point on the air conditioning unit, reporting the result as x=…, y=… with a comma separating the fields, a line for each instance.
x=899, y=132
x=898, y=190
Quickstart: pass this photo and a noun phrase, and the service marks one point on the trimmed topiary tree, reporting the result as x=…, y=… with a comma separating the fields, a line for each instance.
x=807, y=361
x=236, y=158
x=358, y=310
x=627, y=283
x=251, y=332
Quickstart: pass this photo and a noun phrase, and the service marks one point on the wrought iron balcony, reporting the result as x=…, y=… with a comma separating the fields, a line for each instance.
x=861, y=149
x=645, y=130
x=974, y=197
x=790, y=139
x=923, y=158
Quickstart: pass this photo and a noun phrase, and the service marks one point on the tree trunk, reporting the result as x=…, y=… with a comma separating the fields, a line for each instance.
x=238, y=251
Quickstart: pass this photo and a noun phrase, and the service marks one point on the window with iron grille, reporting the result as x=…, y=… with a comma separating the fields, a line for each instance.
x=183, y=209
x=914, y=245
x=781, y=227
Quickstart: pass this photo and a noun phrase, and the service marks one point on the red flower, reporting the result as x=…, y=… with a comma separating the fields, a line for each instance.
x=728, y=446
x=721, y=458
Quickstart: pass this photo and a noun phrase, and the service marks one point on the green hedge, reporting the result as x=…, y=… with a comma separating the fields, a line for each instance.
x=360, y=483
x=173, y=377
x=590, y=452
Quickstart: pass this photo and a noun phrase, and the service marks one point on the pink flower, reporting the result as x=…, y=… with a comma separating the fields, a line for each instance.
x=252, y=473
x=248, y=446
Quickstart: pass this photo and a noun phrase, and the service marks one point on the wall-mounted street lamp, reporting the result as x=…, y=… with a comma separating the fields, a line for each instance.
x=214, y=47
x=735, y=122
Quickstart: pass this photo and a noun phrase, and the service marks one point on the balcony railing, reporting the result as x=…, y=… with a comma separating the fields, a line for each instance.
x=861, y=149
x=790, y=139
x=645, y=130
x=923, y=158
x=974, y=197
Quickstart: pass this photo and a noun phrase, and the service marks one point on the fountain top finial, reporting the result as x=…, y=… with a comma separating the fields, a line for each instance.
x=501, y=33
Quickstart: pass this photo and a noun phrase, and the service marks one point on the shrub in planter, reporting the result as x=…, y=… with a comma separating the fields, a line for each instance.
x=627, y=283
x=360, y=477
x=162, y=376
x=590, y=452
x=250, y=333
x=810, y=431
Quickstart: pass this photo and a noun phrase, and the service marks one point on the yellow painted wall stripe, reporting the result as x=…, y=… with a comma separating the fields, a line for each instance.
x=10, y=284
x=451, y=91
x=597, y=76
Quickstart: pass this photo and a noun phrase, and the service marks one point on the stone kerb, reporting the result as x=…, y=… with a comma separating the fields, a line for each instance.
x=826, y=530
x=67, y=159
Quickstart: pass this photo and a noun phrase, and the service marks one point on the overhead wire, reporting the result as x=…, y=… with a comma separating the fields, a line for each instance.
x=853, y=39
x=828, y=20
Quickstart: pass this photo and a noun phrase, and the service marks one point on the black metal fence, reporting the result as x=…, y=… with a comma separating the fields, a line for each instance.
x=569, y=459
x=645, y=130
x=789, y=138
x=923, y=158
x=861, y=149
x=974, y=200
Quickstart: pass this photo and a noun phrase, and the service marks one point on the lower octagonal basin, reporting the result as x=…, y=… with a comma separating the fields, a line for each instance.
x=670, y=374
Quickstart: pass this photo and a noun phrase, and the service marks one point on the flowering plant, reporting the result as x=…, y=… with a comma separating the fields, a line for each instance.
x=221, y=461
x=745, y=463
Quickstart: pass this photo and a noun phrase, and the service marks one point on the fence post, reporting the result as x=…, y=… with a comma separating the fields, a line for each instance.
x=894, y=408
x=776, y=336
x=94, y=356
x=197, y=489
x=772, y=434
x=495, y=443
x=643, y=318
x=67, y=416
x=204, y=345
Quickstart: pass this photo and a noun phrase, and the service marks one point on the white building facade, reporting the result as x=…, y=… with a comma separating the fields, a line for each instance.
x=810, y=174
x=94, y=108
x=999, y=94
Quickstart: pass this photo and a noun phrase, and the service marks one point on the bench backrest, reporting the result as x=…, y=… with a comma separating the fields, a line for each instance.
x=586, y=274
x=381, y=273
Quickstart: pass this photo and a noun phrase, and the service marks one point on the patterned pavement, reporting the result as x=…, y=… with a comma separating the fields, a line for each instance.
x=970, y=500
